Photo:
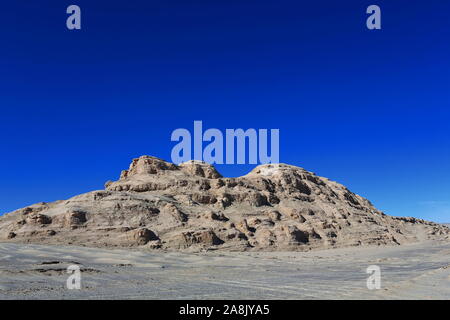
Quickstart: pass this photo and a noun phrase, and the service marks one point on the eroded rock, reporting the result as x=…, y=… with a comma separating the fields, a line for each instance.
x=160, y=205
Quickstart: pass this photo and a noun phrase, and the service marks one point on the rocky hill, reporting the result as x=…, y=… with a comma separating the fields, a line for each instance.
x=158, y=205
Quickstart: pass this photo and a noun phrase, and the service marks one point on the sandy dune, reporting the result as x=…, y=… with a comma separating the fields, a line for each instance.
x=416, y=271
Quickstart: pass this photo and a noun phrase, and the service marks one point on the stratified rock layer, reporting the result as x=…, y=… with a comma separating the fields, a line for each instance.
x=158, y=205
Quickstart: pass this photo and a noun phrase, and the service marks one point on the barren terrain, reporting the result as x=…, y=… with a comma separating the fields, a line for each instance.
x=191, y=207
x=164, y=231
x=416, y=271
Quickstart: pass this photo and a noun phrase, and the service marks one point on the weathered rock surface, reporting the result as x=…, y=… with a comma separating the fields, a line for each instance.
x=158, y=205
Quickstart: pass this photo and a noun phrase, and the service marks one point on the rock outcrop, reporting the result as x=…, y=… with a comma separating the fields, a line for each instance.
x=159, y=205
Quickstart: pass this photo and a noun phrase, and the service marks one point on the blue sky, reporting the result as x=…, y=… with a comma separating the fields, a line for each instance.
x=369, y=109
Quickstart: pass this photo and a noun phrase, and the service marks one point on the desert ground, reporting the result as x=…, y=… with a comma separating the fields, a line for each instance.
x=413, y=271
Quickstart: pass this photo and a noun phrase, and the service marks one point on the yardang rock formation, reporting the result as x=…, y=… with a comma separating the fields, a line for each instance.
x=158, y=205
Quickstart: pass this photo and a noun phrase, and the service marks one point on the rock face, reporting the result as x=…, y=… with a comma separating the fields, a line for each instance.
x=158, y=205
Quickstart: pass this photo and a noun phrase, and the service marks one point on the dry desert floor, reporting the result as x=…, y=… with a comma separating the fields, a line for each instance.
x=416, y=271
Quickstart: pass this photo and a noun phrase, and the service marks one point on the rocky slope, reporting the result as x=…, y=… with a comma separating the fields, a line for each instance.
x=158, y=205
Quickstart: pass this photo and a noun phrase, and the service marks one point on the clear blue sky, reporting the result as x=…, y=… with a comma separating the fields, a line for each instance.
x=369, y=109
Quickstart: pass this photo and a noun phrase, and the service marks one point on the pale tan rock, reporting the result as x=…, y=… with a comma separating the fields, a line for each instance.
x=201, y=237
x=147, y=165
x=141, y=236
x=201, y=169
x=38, y=219
x=214, y=216
x=176, y=213
x=74, y=218
x=159, y=205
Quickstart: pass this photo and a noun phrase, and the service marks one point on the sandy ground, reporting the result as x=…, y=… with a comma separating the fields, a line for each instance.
x=418, y=271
